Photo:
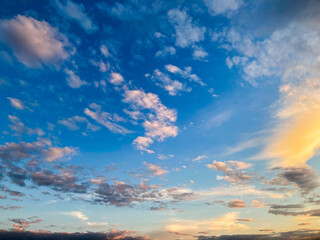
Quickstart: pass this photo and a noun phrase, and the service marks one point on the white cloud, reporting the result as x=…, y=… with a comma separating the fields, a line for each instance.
x=292, y=141
x=173, y=87
x=217, y=7
x=97, y=224
x=166, y=51
x=16, y=103
x=106, y=119
x=104, y=50
x=159, y=120
x=187, y=32
x=186, y=73
x=116, y=79
x=143, y=143
x=72, y=123
x=199, y=53
x=155, y=169
x=77, y=13
x=55, y=153
x=73, y=80
x=76, y=214
x=199, y=158
x=34, y=42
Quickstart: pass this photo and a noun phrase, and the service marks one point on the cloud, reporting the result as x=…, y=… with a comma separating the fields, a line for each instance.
x=143, y=143
x=40, y=149
x=232, y=175
x=20, y=128
x=186, y=73
x=241, y=190
x=16, y=103
x=237, y=203
x=306, y=234
x=116, y=79
x=76, y=12
x=199, y=158
x=72, y=123
x=74, y=80
x=304, y=178
x=12, y=208
x=199, y=53
x=217, y=7
x=106, y=119
x=187, y=32
x=226, y=223
x=112, y=234
x=155, y=169
x=21, y=224
x=166, y=51
x=34, y=42
x=54, y=153
x=76, y=214
x=173, y=87
x=293, y=139
x=257, y=204
x=158, y=123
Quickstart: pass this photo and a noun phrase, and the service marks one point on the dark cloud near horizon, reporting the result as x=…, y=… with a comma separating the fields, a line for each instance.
x=111, y=235
x=292, y=235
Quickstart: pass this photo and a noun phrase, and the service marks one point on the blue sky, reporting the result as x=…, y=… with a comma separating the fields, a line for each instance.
x=160, y=119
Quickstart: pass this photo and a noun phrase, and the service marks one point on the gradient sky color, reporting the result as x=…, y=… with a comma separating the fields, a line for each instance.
x=160, y=119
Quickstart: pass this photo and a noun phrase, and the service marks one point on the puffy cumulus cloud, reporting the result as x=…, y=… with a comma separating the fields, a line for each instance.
x=217, y=7
x=16, y=103
x=306, y=179
x=237, y=203
x=116, y=79
x=199, y=53
x=240, y=165
x=106, y=119
x=54, y=153
x=76, y=12
x=155, y=169
x=225, y=223
x=159, y=120
x=34, y=42
x=111, y=234
x=72, y=123
x=187, y=32
x=76, y=214
x=235, y=176
x=19, y=127
x=74, y=80
x=143, y=143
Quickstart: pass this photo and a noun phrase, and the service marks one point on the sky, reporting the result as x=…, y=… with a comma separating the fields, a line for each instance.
x=140, y=119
